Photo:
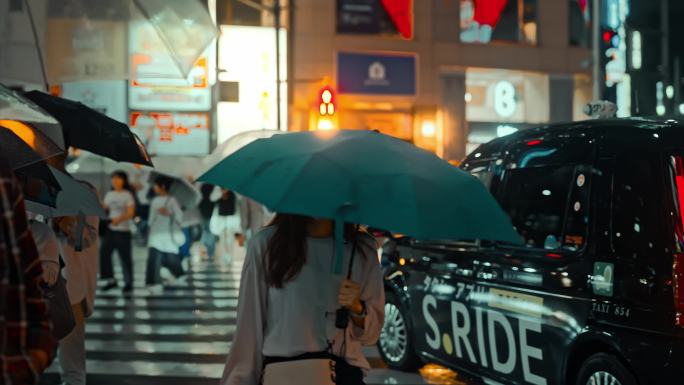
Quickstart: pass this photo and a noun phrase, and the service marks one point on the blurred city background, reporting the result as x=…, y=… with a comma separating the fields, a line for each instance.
x=445, y=75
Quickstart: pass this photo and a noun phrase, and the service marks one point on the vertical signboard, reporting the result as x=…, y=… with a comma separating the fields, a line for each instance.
x=169, y=112
x=155, y=80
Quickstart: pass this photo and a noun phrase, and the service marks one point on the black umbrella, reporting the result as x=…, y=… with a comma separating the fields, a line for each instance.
x=39, y=171
x=93, y=131
x=18, y=153
x=24, y=161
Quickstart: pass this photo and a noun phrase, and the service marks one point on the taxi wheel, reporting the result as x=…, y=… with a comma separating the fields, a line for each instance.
x=395, y=343
x=604, y=369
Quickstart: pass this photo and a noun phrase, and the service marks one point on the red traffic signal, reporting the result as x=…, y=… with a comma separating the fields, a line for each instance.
x=326, y=101
x=610, y=37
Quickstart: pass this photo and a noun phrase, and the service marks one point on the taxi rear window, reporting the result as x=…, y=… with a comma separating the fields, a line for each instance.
x=549, y=206
x=546, y=191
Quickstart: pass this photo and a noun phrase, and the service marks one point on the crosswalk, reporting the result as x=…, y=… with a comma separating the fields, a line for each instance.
x=180, y=336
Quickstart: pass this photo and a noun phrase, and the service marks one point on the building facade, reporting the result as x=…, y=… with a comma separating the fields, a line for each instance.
x=443, y=74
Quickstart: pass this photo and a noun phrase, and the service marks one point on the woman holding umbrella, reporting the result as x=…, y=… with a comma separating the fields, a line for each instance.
x=292, y=273
x=286, y=325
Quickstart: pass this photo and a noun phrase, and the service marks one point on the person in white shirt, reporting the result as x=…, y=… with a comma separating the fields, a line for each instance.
x=165, y=234
x=225, y=224
x=120, y=204
x=289, y=298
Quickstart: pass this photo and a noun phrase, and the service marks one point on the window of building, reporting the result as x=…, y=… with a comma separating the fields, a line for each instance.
x=506, y=96
x=375, y=17
x=254, y=13
x=485, y=21
x=580, y=23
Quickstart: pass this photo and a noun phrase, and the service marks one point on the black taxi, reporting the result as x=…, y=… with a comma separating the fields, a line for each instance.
x=596, y=294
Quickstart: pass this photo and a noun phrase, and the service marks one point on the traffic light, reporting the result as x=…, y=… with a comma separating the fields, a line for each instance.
x=327, y=117
x=326, y=101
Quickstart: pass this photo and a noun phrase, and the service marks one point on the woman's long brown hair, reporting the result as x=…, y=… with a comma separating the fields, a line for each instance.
x=286, y=251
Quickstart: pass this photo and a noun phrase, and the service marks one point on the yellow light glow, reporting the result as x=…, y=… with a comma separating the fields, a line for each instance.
x=322, y=109
x=436, y=374
x=326, y=96
x=428, y=129
x=331, y=109
x=402, y=261
x=325, y=125
x=23, y=131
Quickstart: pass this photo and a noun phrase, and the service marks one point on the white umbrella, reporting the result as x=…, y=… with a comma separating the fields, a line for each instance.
x=185, y=193
x=75, y=198
x=233, y=144
x=16, y=107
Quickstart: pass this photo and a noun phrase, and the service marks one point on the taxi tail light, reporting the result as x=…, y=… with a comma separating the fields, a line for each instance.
x=678, y=288
x=678, y=258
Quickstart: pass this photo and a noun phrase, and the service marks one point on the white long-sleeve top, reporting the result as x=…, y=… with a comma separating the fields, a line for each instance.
x=300, y=317
x=81, y=267
x=165, y=233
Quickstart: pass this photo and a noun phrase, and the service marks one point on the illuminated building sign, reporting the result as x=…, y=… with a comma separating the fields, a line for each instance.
x=172, y=133
x=371, y=74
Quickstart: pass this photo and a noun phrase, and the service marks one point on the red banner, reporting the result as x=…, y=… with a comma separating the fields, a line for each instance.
x=488, y=12
x=401, y=13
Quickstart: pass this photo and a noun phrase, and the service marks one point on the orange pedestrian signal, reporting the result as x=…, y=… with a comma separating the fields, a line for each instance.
x=326, y=101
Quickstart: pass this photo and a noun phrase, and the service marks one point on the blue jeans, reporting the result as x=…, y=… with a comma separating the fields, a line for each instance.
x=208, y=239
x=184, y=250
x=155, y=260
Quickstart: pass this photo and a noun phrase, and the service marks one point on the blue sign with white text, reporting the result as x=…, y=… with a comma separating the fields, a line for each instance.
x=371, y=74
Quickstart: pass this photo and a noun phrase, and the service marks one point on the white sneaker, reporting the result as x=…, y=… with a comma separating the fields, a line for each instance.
x=155, y=289
x=181, y=281
x=166, y=275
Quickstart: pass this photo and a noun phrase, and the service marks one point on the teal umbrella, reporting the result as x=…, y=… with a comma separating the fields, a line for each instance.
x=364, y=177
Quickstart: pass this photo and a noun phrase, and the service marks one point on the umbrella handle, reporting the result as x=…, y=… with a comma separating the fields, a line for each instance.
x=353, y=251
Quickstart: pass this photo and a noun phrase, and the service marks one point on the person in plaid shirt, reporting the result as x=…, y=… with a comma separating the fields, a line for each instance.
x=27, y=346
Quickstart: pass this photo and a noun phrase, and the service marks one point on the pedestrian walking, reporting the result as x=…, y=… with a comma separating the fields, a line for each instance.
x=286, y=325
x=225, y=224
x=206, y=208
x=165, y=234
x=28, y=345
x=120, y=203
x=79, y=244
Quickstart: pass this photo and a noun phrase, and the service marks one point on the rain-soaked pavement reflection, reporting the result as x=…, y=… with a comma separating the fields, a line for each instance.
x=181, y=336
